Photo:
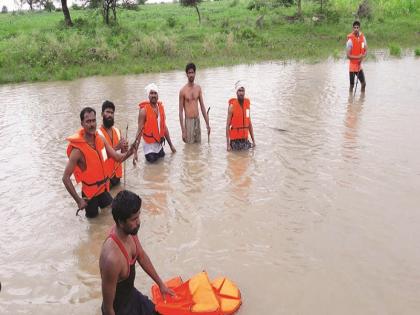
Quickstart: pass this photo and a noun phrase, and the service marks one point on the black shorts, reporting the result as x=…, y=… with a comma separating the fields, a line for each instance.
x=153, y=157
x=103, y=200
x=240, y=144
x=114, y=181
x=360, y=75
x=137, y=304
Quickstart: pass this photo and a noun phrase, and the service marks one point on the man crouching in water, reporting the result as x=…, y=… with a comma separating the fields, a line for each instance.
x=119, y=254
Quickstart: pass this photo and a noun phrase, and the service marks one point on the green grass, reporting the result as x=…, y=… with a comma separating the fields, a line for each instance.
x=38, y=47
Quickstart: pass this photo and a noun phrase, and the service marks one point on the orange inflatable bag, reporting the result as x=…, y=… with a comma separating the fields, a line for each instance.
x=198, y=296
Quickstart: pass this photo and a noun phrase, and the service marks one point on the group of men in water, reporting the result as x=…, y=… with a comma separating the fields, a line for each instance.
x=96, y=157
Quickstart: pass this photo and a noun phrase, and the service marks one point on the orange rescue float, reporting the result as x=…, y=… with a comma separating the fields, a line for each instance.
x=198, y=296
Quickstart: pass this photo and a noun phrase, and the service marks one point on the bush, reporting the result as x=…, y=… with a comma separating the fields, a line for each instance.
x=171, y=21
x=417, y=52
x=4, y=9
x=395, y=50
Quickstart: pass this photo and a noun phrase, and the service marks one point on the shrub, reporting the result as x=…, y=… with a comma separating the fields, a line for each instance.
x=171, y=21
x=417, y=52
x=395, y=50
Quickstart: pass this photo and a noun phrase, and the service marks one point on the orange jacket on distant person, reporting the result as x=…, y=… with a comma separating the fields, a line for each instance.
x=151, y=132
x=95, y=178
x=357, y=49
x=239, y=125
x=116, y=137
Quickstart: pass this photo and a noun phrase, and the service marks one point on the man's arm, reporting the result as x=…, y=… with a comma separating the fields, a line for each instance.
x=181, y=114
x=168, y=138
x=141, y=120
x=74, y=158
x=109, y=275
x=145, y=263
x=228, y=120
x=203, y=110
x=119, y=157
x=251, y=132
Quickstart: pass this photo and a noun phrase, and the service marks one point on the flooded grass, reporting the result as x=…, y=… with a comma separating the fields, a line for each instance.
x=38, y=47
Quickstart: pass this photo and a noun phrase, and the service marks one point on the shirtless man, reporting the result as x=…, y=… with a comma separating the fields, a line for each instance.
x=120, y=252
x=189, y=96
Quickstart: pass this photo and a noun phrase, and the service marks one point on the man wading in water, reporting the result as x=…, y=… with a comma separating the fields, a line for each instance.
x=238, y=123
x=152, y=125
x=119, y=254
x=88, y=153
x=189, y=96
x=356, y=52
x=113, y=136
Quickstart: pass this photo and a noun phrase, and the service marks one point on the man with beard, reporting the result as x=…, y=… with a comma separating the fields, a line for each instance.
x=113, y=136
x=88, y=153
x=119, y=254
x=189, y=96
x=152, y=126
x=238, y=124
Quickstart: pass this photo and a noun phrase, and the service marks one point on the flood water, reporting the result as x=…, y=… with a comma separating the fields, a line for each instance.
x=322, y=218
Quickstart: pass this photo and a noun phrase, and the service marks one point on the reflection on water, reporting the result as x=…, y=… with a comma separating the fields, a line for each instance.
x=324, y=216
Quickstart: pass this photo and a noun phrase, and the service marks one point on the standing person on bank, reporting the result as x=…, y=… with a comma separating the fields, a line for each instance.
x=88, y=153
x=238, y=123
x=120, y=252
x=189, y=96
x=113, y=136
x=356, y=52
x=152, y=125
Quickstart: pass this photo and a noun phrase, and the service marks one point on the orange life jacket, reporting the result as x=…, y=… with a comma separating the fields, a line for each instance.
x=198, y=296
x=151, y=132
x=239, y=125
x=95, y=178
x=357, y=49
x=116, y=137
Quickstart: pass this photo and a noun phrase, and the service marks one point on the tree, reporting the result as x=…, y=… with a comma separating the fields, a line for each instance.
x=4, y=9
x=66, y=12
x=299, y=5
x=106, y=6
x=192, y=3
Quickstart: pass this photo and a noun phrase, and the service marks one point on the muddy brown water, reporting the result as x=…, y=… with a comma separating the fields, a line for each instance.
x=320, y=219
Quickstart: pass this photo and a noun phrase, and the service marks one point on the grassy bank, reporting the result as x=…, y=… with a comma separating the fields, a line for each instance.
x=38, y=47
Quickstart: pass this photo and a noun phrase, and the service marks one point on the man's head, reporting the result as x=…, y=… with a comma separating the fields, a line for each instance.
x=108, y=109
x=356, y=27
x=190, y=71
x=126, y=211
x=88, y=120
x=240, y=90
x=152, y=93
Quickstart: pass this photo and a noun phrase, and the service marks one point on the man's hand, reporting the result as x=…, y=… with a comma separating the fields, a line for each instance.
x=164, y=290
x=123, y=145
x=81, y=204
x=253, y=145
x=184, y=135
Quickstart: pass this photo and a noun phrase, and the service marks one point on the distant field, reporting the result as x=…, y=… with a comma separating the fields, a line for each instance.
x=36, y=46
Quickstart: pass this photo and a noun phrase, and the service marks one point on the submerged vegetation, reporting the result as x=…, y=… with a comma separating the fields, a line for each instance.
x=38, y=46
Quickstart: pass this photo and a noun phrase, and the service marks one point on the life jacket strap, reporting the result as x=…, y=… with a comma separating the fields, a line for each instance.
x=98, y=183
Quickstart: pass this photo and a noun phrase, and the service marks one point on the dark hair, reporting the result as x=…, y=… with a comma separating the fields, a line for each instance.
x=84, y=111
x=108, y=104
x=125, y=204
x=356, y=23
x=190, y=66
